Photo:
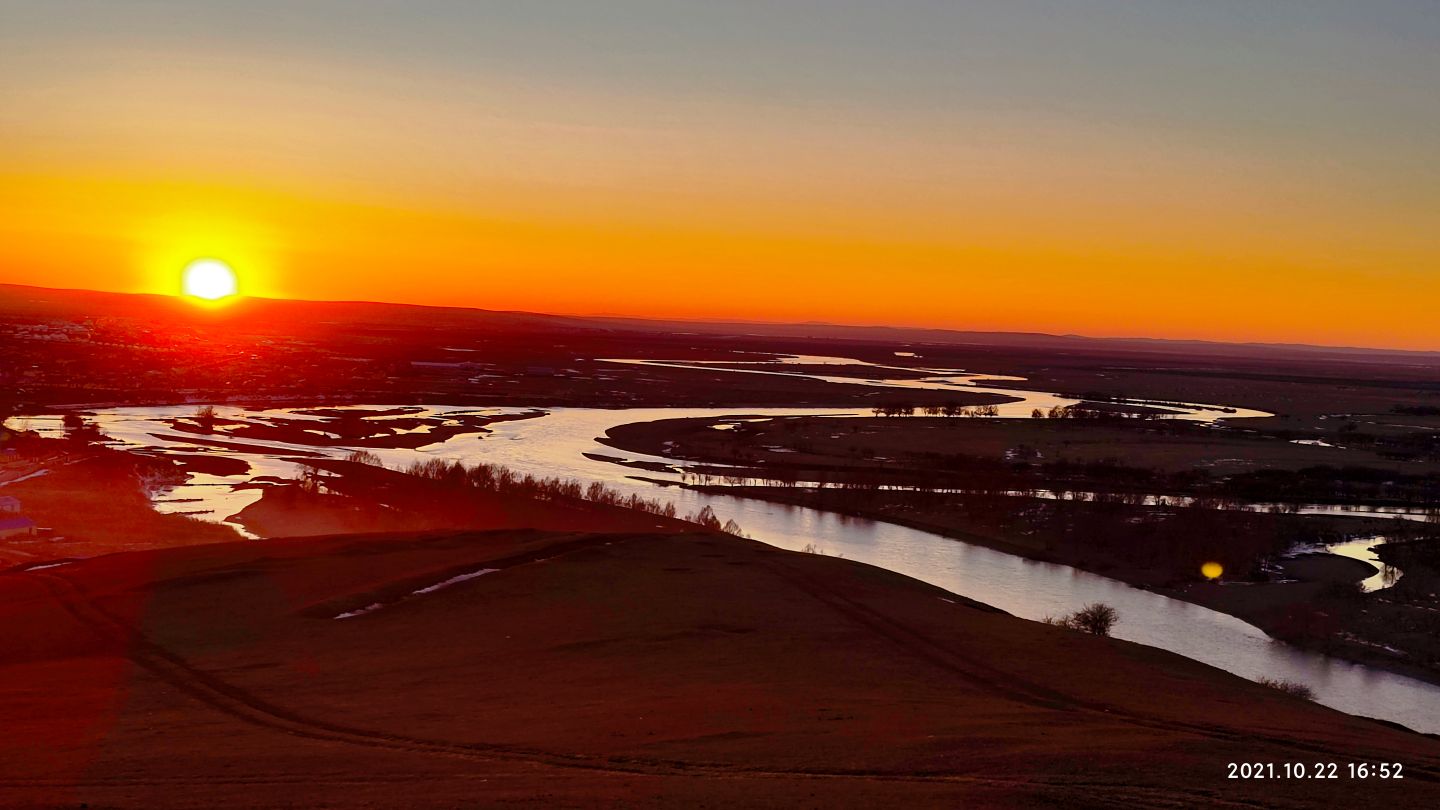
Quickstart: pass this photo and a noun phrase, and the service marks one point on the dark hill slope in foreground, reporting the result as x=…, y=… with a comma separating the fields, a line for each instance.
x=686, y=669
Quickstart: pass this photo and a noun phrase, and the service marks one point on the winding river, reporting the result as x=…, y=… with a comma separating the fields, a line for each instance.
x=555, y=445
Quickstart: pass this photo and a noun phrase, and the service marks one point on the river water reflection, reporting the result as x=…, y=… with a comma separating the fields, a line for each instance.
x=556, y=445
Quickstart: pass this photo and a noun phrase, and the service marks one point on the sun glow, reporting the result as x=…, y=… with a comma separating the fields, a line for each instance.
x=209, y=280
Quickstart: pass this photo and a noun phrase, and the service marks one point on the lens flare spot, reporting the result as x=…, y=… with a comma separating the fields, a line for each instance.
x=1212, y=570
x=209, y=280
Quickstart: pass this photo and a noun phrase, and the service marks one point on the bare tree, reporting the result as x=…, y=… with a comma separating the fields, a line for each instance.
x=706, y=517
x=1289, y=687
x=205, y=418
x=1096, y=618
x=364, y=457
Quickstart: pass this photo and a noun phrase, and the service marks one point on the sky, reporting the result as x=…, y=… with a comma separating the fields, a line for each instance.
x=1216, y=169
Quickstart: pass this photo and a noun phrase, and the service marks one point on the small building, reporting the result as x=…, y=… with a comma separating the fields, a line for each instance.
x=9, y=505
x=12, y=526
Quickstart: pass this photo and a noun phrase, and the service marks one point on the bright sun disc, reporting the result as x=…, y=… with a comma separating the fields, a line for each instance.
x=209, y=279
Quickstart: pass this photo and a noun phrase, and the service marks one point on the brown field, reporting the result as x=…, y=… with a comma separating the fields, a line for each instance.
x=359, y=498
x=92, y=502
x=216, y=675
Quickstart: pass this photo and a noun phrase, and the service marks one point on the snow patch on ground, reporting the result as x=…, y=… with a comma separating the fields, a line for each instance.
x=443, y=584
x=454, y=580
x=35, y=474
x=350, y=614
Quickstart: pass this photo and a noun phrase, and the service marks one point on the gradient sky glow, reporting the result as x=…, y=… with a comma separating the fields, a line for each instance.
x=1224, y=169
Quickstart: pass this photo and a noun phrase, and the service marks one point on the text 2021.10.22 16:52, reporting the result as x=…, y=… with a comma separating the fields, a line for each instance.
x=1315, y=770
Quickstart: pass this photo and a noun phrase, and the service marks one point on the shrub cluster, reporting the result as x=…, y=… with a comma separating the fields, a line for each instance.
x=1289, y=687
x=1097, y=618
x=504, y=481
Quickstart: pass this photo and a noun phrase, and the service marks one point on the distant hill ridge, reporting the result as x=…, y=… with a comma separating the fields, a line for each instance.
x=43, y=302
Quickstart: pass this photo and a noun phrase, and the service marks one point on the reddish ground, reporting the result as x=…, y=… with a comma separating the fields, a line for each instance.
x=636, y=669
x=359, y=498
x=91, y=501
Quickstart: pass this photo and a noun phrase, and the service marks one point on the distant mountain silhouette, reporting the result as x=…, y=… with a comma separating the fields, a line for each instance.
x=42, y=302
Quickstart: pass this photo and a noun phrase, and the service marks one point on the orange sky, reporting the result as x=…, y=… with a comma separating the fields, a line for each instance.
x=1101, y=187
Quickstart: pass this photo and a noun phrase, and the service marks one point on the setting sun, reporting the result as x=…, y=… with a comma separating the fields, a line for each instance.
x=209, y=279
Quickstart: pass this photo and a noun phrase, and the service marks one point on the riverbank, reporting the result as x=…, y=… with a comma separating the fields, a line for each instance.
x=614, y=669
x=1158, y=457
x=1310, y=603
x=92, y=500
x=344, y=497
x=1303, y=606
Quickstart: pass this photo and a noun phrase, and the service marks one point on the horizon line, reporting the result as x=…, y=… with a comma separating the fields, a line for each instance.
x=740, y=322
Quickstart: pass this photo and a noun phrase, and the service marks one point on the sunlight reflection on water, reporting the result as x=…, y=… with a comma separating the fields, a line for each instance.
x=556, y=444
